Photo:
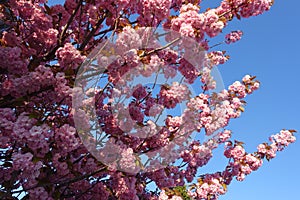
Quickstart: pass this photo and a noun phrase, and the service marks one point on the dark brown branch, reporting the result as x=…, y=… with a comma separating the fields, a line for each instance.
x=62, y=35
x=92, y=33
x=79, y=178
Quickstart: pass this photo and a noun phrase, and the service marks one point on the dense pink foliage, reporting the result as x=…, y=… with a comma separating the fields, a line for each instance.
x=42, y=48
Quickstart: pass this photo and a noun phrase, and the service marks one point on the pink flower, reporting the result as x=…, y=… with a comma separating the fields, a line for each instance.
x=170, y=96
x=128, y=161
x=238, y=88
x=236, y=152
x=283, y=139
x=69, y=57
x=233, y=37
x=189, y=71
x=164, y=196
x=127, y=40
x=136, y=112
x=225, y=135
x=217, y=57
x=153, y=11
x=247, y=79
x=253, y=161
x=139, y=92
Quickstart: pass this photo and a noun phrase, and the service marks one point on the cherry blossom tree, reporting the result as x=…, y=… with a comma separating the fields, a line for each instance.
x=81, y=120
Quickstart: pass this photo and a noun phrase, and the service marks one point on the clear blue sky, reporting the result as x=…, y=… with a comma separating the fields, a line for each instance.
x=269, y=49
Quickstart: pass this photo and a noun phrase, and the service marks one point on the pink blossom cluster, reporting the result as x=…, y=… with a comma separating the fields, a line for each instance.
x=164, y=196
x=170, y=96
x=243, y=8
x=207, y=79
x=193, y=24
x=29, y=170
x=31, y=82
x=173, y=123
x=256, y=7
x=7, y=119
x=128, y=161
x=128, y=39
x=283, y=139
x=139, y=92
x=279, y=142
x=154, y=65
x=224, y=136
x=135, y=111
x=268, y=150
x=209, y=187
x=39, y=193
x=240, y=90
x=62, y=90
x=21, y=126
x=213, y=25
x=124, y=187
x=168, y=177
x=217, y=57
x=38, y=139
x=196, y=156
x=66, y=133
x=11, y=58
x=69, y=57
x=153, y=11
x=177, y=4
x=233, y=37
x=123, y=65
x=226, y=105
x=189, y=23
x=188, y=70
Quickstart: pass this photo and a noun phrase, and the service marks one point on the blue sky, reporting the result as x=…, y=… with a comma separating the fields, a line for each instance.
x=269, y=49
